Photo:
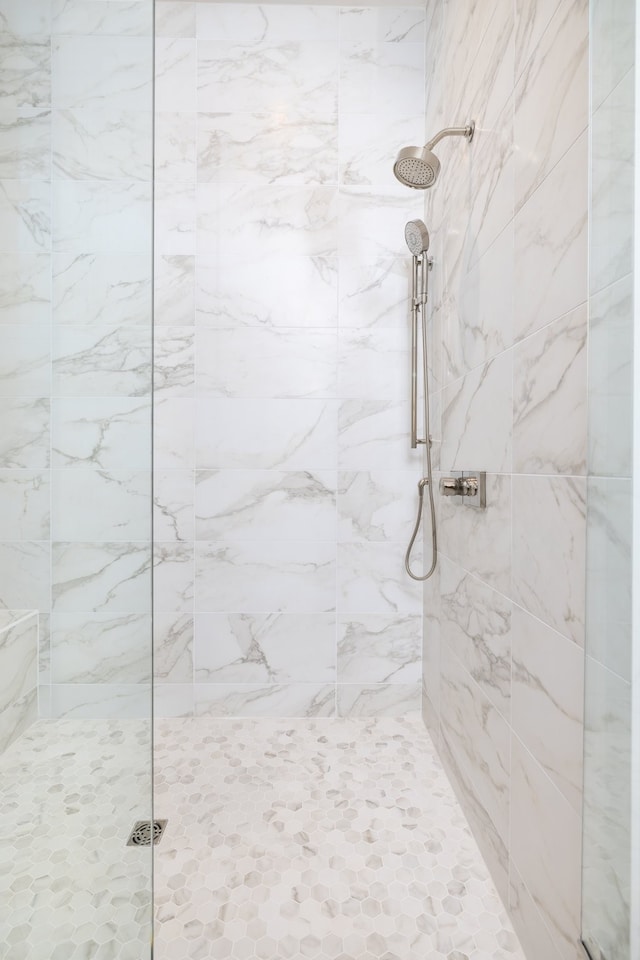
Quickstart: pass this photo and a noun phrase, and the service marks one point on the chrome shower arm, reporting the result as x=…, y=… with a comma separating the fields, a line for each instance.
x=467, y=132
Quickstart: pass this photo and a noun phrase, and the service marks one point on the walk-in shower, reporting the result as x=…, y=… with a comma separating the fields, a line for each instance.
x=418, y=167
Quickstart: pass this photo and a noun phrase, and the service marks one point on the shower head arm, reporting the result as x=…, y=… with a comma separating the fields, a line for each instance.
x=467, y=132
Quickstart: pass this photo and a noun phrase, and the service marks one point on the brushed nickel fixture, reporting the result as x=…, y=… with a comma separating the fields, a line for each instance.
x=418, y=167
x=145, y=832
x=470, y=486
x=417, y=237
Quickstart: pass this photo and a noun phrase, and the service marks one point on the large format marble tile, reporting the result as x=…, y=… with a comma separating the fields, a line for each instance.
x=550, y=398
x=101, y=577
x=18, y=675
x=292, y=577
x=556, y=75
x=527, y=920
x=480, y=540
x=26, y=75
x=551, y=244
x=612, y=178
x=97, y=701
x=379, y=699
x=295, y=78
x=174, y=359
x=275, y=434
x=373, y=433
x=549, y=516
x=377, y=505
x=374, y=292
x=175, y=216
x=173, y=578
x=364, y=144
x=25, y=360
x=100, y=648
x=24, y=504
x=265, y=505
x=371, y=221
x=267, y=149
x=26, y=20
x=105, y=289
x=270, y=362
x=25, y=216
x=268, y=221
x=174, y=433
x=379, y=649
x=174, y=285
x=87, y=18
x=286, y=291
x=612, y=50
x=101, y=217
x=175, y=145
x=478, y=313
x=372, y=579
x=173, y=649
x=475, y=623
x=25, y=568
x=608, y=810
x=380, y=77
x=24, y=433
x=477, y=736
x=104, y=433
x=483, y=396
x=173, y=508
x=609, y=560
x=100, y=505
x=278, y=22
x=175, y=74
x=102, y=142
x=254, y=700
x=175, y=18
x=25, y=288
x=101, y=361
x=611, y=320
x=547, y=858
x=88, y=71
x=547, y=701
x=25, y=151
x=373, y=364
x=264, y=648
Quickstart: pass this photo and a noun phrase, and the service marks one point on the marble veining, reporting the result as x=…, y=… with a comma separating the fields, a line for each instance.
x=363, y=853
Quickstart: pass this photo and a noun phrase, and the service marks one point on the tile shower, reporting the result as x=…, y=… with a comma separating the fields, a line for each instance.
x=290, y=650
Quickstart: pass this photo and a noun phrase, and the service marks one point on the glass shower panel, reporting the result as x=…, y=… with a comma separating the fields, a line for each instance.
x=76, y=270
x=608, y=716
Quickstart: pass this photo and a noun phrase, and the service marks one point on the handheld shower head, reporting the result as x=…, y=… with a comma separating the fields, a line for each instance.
x=418, y=167
x=417, y=237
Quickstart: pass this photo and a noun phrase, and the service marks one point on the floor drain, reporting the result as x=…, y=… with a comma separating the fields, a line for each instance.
x=140, y=836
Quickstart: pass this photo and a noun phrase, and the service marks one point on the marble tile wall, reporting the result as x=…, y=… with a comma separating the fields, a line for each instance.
x=607, y=899
x=18, y=673
x=284, y=485
x=504, y=618
x=75, y=339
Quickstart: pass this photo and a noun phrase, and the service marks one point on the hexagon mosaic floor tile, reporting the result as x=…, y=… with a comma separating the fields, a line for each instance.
x=326, y=839
x=69, y=887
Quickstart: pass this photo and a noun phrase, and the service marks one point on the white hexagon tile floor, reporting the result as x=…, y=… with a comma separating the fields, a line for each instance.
x=326, y=839
x=69, y=887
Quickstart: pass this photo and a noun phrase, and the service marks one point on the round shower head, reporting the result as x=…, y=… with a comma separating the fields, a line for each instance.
x=417, y=167
x=417, y=237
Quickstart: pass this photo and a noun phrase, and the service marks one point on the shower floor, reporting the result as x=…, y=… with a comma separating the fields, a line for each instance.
x=327, y=839
x=69, y=887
